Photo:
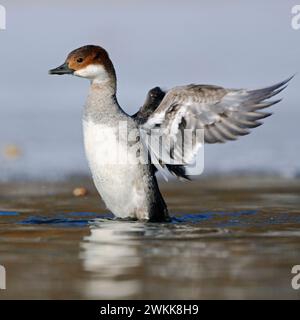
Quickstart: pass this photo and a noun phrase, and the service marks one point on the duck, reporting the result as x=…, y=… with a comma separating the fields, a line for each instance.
x=125, y=152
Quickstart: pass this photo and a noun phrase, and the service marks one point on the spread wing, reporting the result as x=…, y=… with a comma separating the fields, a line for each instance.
x=153, y=100
x=223, y=114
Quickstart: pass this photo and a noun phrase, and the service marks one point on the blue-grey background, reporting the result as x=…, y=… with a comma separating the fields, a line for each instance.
x=167, y=43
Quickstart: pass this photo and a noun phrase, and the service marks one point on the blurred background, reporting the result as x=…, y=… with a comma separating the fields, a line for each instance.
x=167, y=43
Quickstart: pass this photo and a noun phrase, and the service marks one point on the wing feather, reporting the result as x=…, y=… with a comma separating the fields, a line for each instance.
x=223, y=114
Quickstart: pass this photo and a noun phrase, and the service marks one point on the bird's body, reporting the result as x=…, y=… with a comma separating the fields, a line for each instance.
x=127, y=186
x=123, y=162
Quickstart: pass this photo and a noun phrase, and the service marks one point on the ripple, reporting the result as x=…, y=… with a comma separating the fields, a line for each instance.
x=9, y=213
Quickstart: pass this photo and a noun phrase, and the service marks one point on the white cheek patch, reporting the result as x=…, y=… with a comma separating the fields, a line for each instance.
x=92, y=72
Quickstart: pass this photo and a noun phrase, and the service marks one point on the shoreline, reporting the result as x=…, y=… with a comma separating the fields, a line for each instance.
x=211, y=181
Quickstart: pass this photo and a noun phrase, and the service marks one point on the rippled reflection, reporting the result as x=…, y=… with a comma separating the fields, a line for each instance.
x=181, y=261
x=111, y=257
x=131, y=259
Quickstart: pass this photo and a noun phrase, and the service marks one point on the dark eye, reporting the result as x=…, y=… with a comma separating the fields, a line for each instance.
x=79, y=60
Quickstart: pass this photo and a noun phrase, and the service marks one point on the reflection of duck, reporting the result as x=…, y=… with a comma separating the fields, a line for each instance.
x=130, y=189
x=109, y=255
x=134, y=260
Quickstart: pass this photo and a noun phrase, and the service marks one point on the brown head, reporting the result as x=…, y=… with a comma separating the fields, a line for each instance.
x=91, y=62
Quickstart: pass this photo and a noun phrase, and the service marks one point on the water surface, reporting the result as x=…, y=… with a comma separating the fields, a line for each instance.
x=237, y=241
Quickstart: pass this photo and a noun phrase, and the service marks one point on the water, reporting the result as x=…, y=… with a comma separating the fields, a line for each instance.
x=232, y=242
x=151, y=43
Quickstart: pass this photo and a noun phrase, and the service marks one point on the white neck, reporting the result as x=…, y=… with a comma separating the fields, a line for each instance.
x=97, y=74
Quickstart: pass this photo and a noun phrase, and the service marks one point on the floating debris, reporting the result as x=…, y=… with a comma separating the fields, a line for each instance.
x=80, y=192
x=12, y=151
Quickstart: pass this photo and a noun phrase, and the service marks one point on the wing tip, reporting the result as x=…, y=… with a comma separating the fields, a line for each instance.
x=283, y=84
